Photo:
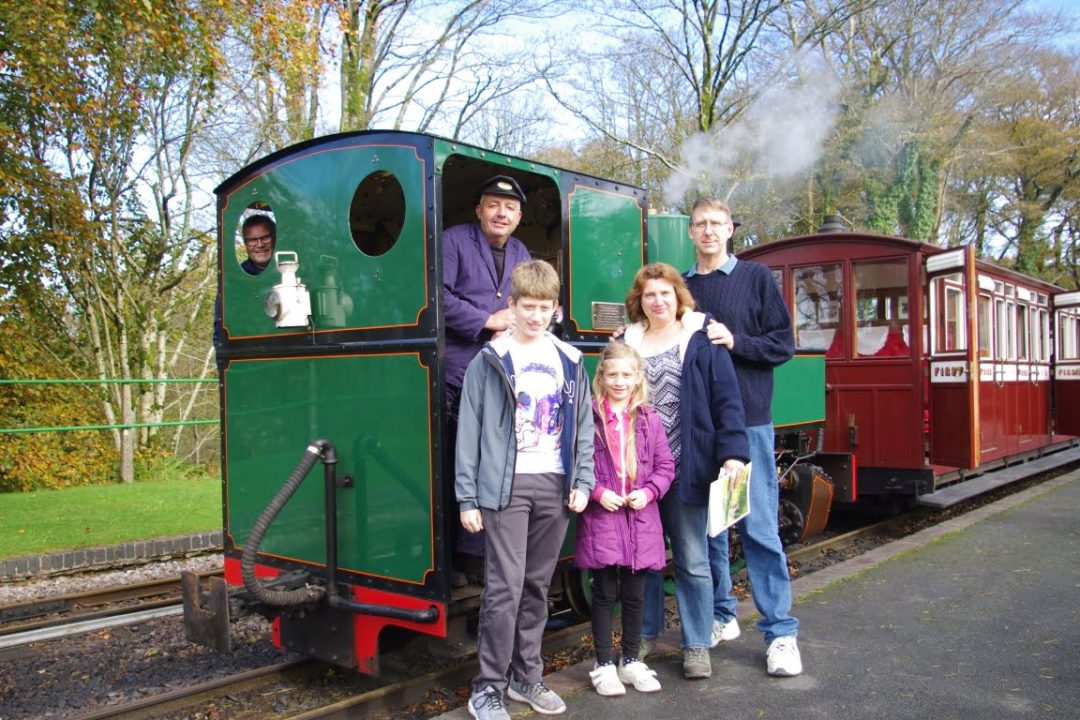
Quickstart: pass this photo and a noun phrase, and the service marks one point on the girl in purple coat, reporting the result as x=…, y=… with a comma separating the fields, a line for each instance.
x=619, y=536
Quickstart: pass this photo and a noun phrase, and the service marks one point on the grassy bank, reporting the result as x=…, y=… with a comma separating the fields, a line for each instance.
x=163, y=503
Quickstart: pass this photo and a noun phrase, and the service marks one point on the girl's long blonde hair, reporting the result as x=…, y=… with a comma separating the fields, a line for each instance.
x=638, y=398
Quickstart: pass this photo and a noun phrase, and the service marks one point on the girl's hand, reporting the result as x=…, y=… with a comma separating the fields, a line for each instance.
x=637, y=499
x=577, y=501
x=611, y=501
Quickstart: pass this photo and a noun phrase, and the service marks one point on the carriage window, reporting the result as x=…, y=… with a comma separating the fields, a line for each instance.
x=1043, y=330
x=377, y=213
x=818, y=309
x=881, y=308
x=1036, y=335
x=986, y=332
x=1021, y=332
x=1069, y=339
x=1006, y=326
x=950, y=328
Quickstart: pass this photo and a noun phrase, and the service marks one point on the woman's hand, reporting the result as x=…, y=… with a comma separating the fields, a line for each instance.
x=733, y=467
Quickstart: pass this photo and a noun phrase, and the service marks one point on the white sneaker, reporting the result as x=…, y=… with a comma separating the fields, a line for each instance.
x=724, y=632
x=782, y=658
x=605, y=678
x=639, y=675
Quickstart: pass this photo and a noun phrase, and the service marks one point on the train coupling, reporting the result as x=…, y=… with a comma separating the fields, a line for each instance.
x=209, y=611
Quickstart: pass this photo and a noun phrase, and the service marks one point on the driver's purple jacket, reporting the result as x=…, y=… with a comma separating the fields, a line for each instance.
x=471, y=293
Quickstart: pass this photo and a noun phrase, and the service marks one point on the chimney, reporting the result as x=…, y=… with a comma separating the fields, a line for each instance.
x=832, y=223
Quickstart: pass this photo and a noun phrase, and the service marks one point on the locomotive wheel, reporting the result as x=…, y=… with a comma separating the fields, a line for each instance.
x=791, y=521
x=577, y=584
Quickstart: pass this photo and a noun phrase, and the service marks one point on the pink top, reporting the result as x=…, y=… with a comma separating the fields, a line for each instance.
x=615, y=425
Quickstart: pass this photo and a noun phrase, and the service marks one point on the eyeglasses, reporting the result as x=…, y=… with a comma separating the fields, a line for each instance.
x=703, y=224
x=259, y=240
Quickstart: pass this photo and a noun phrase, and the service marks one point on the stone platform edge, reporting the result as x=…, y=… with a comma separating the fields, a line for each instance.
x=137, y=552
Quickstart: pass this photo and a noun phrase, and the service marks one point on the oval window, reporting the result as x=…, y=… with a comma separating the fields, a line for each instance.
x=377, y=213
x=256, y=238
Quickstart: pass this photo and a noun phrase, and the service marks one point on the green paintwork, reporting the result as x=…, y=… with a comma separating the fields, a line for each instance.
x=669, y=241
x=443, y=149
x=799, y=391
x=605, y=242
x=375, y=410
x=310, y=196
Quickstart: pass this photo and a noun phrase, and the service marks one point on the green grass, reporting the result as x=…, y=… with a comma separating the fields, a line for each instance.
x=169, y=500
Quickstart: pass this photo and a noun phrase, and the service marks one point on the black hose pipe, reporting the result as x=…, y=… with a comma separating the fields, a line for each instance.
x=335, y=600
x=297, y=596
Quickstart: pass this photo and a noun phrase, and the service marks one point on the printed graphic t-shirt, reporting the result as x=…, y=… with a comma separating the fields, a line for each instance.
x=538, y=419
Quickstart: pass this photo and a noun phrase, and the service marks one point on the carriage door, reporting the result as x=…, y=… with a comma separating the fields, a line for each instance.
x=953, y=363
x=1067, y=366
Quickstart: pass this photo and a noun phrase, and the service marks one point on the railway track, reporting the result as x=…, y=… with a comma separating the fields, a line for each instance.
x=306, y=689
x=66, y=615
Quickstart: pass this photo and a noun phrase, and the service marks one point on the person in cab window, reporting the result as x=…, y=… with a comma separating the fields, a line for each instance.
x=260, y=238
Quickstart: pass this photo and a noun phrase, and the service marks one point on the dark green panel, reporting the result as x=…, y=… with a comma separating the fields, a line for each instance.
x=443, y=149
x=310, y=197
x=375, y=410
x=669, y=241
x=605, y=238
x=799, y=391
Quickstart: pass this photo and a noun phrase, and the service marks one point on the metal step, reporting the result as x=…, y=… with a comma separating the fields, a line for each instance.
x=976, y=486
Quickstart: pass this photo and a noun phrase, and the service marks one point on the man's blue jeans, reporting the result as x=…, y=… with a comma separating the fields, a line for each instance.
x=766, y=563
x=685, y=525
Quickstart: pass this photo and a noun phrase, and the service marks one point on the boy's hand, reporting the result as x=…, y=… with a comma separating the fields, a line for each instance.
x=472, y=520
x=578, y=500
x=637, y=499
x=611, y=501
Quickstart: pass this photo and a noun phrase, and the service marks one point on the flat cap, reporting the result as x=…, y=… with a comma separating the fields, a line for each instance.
x=501, y=185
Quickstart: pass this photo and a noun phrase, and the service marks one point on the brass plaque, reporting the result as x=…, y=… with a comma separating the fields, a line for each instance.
x=608, y=315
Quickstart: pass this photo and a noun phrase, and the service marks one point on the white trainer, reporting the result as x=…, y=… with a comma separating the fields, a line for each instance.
x=605, y=678
x=638, y=674
x=782, y=658
x=724, y=631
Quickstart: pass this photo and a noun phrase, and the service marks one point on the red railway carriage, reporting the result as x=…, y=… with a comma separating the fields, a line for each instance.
x=938, y=365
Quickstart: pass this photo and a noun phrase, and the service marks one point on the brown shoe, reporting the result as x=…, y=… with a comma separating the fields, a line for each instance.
x=696, y=663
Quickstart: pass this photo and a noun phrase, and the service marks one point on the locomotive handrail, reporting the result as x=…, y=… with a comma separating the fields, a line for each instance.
x=114, y=426
x=104, y=381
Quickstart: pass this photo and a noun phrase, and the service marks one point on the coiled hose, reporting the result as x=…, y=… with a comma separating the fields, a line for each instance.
x=297, y=596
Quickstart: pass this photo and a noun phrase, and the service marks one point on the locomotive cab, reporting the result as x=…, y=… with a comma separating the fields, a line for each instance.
x=359, y=368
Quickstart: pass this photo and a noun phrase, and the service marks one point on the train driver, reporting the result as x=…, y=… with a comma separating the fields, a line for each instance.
x=478, y=258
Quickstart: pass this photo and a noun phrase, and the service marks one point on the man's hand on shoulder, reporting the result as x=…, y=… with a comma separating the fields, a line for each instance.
x=720, y=335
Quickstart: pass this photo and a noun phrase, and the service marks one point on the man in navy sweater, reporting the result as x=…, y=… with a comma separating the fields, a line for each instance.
x=755, y=326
